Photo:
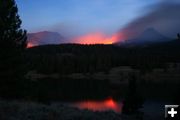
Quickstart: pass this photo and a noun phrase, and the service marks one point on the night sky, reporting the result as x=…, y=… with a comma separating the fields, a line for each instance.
x=80, y=17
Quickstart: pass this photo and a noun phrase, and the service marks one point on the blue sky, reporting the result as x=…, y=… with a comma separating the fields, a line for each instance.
x=76, y=17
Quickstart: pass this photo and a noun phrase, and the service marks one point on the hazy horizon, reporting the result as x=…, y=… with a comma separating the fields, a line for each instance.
x=101, y=20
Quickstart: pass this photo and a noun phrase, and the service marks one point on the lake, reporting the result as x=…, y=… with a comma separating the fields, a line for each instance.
x=103, y=105
x=151, y=108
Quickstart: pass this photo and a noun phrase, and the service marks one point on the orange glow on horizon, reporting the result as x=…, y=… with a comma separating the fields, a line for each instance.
x=108, y=104
x=91, y=38
x=98, y=38
x=29, y=45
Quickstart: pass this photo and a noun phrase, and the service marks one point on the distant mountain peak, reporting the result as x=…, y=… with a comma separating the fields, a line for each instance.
x=149, y=35
x=150, y=29
x=44, y=38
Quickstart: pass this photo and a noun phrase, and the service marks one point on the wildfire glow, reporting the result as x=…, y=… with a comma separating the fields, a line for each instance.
x=98, y=38
x=108, y=104
x=91, y=38
x=29, y=45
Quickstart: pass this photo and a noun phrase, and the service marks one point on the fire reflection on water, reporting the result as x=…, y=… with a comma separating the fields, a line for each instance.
x=108, y=104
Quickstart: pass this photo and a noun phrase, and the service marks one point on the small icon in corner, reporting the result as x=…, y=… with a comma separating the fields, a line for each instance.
x=171, y=111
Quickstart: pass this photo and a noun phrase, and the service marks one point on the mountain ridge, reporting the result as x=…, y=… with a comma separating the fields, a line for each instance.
x=148, y=36
x=44, y=38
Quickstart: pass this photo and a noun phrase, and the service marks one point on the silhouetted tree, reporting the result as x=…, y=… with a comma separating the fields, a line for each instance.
x=11, y=34
x=12, y=42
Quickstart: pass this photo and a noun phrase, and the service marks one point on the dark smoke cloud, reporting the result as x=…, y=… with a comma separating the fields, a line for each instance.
x=164, y=17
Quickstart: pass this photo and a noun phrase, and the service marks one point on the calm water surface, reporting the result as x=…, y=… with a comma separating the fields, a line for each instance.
x=104, y=105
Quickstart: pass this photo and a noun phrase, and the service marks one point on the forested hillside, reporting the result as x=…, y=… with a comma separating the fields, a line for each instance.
x=75, y=58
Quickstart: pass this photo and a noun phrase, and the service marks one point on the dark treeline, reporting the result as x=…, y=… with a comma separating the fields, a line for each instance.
x=74, y=58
